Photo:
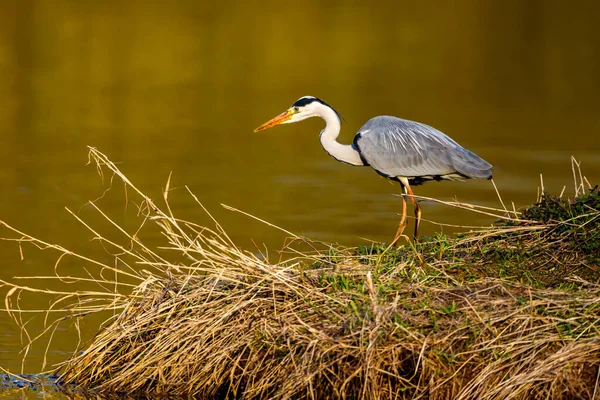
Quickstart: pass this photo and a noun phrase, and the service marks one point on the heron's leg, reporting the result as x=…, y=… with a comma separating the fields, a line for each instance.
x=401, y=227
x=417, y=211
x=402, y=224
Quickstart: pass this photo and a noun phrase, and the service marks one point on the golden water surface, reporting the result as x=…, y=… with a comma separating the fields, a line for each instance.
x=179, y=86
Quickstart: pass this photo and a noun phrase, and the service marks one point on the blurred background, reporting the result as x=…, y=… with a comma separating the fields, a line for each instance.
x=179, y=86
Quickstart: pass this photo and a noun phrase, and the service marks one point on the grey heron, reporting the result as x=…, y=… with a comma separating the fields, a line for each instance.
x=408, y=152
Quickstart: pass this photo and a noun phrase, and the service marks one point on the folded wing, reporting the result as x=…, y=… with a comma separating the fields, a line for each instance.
x=398, y=147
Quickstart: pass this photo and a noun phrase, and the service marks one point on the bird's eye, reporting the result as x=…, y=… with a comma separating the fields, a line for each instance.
x=296, y=109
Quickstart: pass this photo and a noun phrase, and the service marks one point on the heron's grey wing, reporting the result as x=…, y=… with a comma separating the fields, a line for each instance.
x=398, y=147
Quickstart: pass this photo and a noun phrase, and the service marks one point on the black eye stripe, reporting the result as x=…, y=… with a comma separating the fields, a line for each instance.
x=307, y=100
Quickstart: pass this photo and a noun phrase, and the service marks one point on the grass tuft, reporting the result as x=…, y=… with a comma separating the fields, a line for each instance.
x=509, y=311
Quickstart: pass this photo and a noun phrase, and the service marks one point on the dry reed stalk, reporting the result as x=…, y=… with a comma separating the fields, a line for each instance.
x=225, y=323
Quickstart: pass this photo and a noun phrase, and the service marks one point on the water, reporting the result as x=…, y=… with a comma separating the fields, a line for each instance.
x=179, y=86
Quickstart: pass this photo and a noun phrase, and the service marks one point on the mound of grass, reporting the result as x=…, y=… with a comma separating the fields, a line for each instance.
x=550, y=242
x=510, y=311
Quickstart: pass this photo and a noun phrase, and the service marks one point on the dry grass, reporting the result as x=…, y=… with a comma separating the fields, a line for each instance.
x=206, y=319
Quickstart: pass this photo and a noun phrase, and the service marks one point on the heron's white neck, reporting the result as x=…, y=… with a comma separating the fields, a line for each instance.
x=341, y=152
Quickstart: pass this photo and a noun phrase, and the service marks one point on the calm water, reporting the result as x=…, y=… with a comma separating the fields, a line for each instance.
x=179, y=86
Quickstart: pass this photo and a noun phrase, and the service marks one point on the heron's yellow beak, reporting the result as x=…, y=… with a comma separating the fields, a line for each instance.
x=280, y=119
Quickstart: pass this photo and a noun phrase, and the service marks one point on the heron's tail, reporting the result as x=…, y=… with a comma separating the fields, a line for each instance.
x=471, y=165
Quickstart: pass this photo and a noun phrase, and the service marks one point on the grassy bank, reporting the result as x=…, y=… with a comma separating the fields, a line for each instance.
x=508, y=311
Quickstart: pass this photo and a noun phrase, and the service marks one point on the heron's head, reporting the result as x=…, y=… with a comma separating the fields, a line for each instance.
x=304, y=107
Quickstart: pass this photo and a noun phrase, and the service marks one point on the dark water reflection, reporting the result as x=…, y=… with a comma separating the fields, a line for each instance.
x=179, y=86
